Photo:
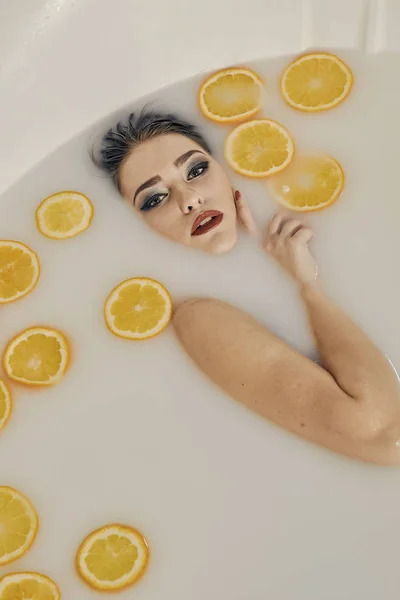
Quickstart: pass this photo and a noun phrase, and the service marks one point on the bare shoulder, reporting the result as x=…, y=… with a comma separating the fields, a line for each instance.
x=266, y=375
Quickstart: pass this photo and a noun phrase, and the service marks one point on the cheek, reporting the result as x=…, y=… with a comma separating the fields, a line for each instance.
x=165, y=220
x=220, y=190
x=158, y=219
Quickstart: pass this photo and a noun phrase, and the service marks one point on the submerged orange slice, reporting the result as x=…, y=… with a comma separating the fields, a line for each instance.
x=315, y=82
x=259, y=148
x=113, y=557
x=231, y=95
x=64, y=215
x=18, y=525
x=19, y=270
x=310, y=183
x=5, y=404
x=28, y=586
x=37, y=356
x=138, y=309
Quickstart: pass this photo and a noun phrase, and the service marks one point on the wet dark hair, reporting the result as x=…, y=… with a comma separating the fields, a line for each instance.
x=119, y=142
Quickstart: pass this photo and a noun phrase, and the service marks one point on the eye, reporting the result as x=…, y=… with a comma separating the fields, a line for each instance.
x=153, y=201
x=197, y=170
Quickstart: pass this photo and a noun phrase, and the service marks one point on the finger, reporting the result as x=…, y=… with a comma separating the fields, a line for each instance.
x=303, y=235
x=290, y=228
x=244, y=214
x=275, y=224
x=273, y=228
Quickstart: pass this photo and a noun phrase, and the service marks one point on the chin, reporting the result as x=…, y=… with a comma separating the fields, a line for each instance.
x=221, y=244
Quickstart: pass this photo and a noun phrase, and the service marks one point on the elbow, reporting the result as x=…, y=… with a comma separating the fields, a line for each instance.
x=377, y=412
x=377, y=430
x=385, y=450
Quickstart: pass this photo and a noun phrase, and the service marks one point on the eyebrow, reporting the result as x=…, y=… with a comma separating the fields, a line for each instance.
x=156, y=179
x=150, y=182
x=182, y=159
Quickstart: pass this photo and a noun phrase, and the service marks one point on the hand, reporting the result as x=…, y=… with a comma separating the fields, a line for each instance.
x=244, y=215
x=287, y=242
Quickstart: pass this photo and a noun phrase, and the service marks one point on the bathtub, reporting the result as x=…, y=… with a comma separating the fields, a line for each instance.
x=66, y=64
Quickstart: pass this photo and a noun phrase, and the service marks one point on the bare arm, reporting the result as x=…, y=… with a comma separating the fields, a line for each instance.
x=350, y=406
x=357, y=365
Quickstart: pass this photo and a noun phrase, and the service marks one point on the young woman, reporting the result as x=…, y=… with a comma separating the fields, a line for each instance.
x=165, y=169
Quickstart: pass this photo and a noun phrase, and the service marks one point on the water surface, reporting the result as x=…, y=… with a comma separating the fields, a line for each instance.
x=232, y=506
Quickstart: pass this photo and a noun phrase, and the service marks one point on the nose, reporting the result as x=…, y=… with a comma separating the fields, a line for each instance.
x=188, y=199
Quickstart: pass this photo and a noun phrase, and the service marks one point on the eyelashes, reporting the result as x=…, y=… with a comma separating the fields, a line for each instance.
x=197, y=170
x=153, y=201
x=156, y=199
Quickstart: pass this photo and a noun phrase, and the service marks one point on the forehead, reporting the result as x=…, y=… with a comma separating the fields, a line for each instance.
x=153, y=157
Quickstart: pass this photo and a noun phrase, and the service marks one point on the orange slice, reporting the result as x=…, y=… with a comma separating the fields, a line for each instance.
x=19, y=270
x=310, y=183
x=18, y=525
x=5, y=404
x=113, y=557
x=28, y=586
x=138, y=309
x=37, y=356
x=259, y=148
x=231, y=95
x=64, y=215
x=315, y=82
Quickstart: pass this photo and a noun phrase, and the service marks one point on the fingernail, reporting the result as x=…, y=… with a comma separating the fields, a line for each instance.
x=237, y=195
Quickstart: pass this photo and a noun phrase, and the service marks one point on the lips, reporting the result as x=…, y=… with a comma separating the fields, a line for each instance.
x=206, y=221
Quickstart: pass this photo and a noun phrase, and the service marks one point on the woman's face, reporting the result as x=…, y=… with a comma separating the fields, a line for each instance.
x=182, y=192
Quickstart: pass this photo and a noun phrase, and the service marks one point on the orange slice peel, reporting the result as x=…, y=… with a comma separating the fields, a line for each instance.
x=18, y=525
x=28, y=586
x=5, y=404
x=64, y=215
x=138, y=309
x=316, y=82
x=259, y=148
x=112, y=557
x=37, y=356
x=19, y=270
x=231, y=95
x=310, y=183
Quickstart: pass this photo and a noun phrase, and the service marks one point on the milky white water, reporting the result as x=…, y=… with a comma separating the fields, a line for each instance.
x=233, y=507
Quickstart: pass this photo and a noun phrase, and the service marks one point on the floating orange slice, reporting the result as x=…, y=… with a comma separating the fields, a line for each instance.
x=138, y=309
x=259, y=148
x=19, y=270
x=231, y=95
x=113, y=557
x=64, y=215
x=310, y=183
x=18, y=525
x=37, y=356
x=28, y=586
x=315, y=82
x=5, y=404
